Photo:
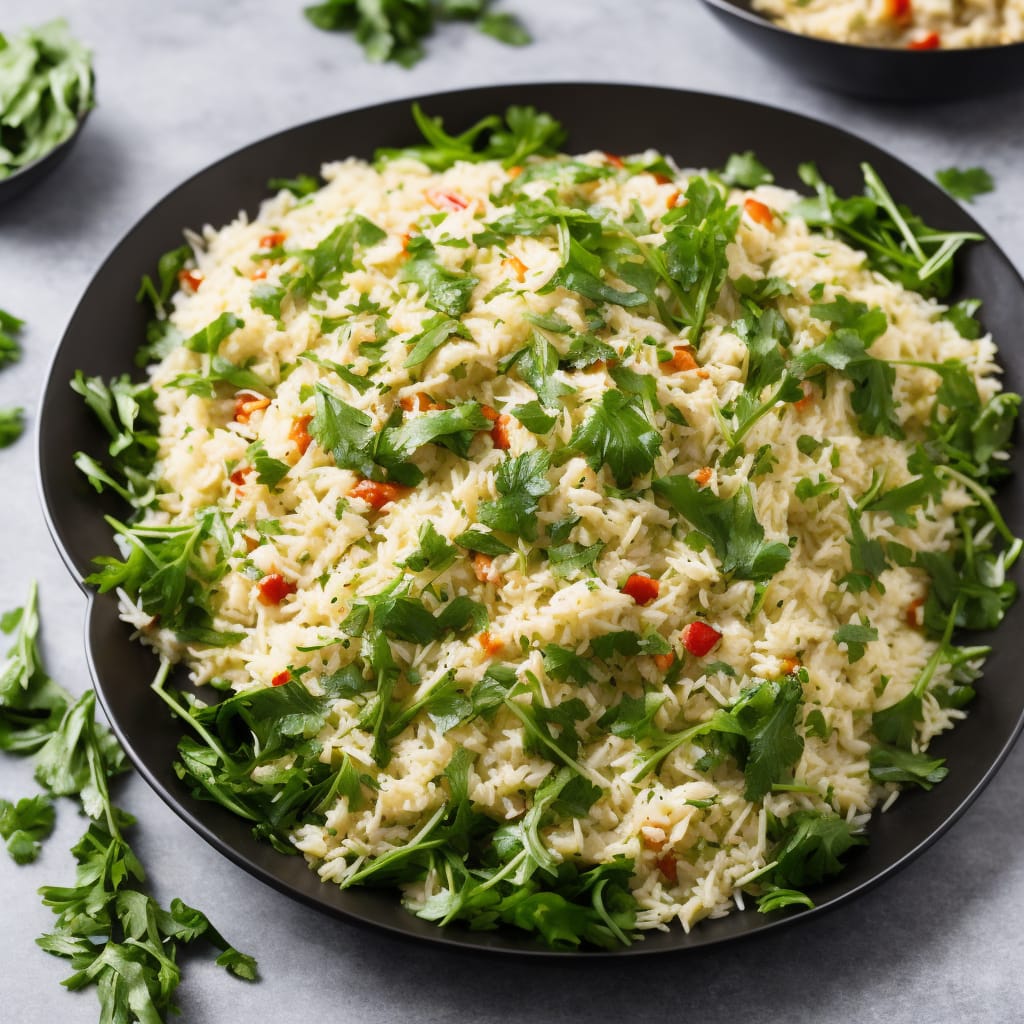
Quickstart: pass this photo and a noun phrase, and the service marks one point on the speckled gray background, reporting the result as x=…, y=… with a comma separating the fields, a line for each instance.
x=184, y=83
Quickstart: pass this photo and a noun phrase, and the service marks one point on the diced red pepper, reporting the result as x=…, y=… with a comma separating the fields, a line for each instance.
x=898, y=10
x=803, y=404
x=913, y=616
x=932, y=41
x=442, y=200
x=757, y=211
x=517, y=266
x=281, y=678
x=190, y=279
x=300, y=433
x=420, y=402
x=675, y=199
x=377, y=494
x=499, y=433
x=514, y=172
x=482, y=566
x=615, y=161
x=681, y=360
x=641, y=588
x=661, y=179
x=667, y=866
x=248, y=402
x=274, y=588
x=698, y=637
x=703, y=476
x=663, y=662
x=491, y=644
x=790, y=665
x=272, y=240
x=239, y=475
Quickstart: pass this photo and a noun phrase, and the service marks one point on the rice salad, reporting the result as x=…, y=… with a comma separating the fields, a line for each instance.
x=903, y=24
x=556, y=568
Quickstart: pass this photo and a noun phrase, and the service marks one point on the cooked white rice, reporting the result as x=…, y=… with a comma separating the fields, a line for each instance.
x=333, y=554
x=926, y=24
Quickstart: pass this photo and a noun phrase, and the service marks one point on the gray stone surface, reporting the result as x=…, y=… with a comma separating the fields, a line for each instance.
x=182, y=84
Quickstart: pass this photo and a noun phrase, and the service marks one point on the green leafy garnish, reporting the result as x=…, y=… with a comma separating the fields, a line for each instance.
x=896, y=242
x=965, y=184
x=520, y=133
x=12, y=425
x=46, y=87
x=729, y=524
x=618, y=434
x=745, y=171
x=856, y=636
x=393, y=30
x=447, y=291
x=10, y=327
x=434, y=552
x=521, y=482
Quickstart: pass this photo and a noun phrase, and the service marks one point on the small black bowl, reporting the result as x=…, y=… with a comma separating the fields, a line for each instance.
x=31, y=174
x=877, y=72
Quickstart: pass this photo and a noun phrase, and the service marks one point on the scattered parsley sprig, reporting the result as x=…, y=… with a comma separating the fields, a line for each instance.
x=394, y=30
x=118, y=938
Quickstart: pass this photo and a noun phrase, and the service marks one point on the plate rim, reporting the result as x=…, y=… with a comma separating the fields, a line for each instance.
x=453, y=938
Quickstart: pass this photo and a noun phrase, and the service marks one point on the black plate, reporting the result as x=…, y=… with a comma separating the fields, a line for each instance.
x=698, y=130
x=876, y=72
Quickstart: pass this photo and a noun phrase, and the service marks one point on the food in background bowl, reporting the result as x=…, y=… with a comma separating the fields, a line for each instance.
x=46, y=88
x=907, y=24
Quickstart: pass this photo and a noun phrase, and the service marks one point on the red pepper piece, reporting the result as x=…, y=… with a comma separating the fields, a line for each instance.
x=698, y=638
x=641, y=588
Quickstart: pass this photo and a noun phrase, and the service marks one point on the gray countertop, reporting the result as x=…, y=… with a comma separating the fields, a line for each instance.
x=182, y=84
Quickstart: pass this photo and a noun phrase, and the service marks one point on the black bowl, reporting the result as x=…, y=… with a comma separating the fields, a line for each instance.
x=877, y=72
x=699, y=130
x=31, y=174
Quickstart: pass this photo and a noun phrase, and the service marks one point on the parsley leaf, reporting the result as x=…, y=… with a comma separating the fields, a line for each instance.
x=436, y=331
x=485, y=543
x=24, y=825
x=846, y=351
x=434, y=552
x=891, y=764
x=744, y=170
x=809, y=847
x=345, y=432
x=568, y=559
x=521, y=481
x=10, y=327
x=961, y=316
x=522, y=132
x=563, y=664
x=965, y=184
x=856, y=637
x=12, y=425
x=617, y=433
x=445, y=290
x=300, y=186
x=897, y=243
x=633, y=717
x=537, y=365
x=729, y=524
